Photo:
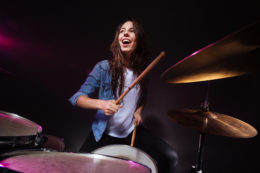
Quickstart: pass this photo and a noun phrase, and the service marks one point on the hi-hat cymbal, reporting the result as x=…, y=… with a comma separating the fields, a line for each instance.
x=235, y=55
x=212, y=123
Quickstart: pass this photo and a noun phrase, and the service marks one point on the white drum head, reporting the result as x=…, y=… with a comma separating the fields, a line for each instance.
x=129, y=153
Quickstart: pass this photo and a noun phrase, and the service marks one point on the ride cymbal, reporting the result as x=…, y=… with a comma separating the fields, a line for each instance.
x=212, y=123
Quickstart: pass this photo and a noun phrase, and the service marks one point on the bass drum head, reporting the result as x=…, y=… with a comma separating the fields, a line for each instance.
x=128, y=153
x=65, y=162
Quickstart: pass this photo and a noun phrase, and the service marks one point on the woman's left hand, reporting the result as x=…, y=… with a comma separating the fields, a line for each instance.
x=138, y=118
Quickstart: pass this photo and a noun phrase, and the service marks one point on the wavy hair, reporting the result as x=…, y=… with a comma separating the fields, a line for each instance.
x=137, y=62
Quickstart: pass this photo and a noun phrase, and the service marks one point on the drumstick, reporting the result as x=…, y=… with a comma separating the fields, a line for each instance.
x=133, y=136
x=140, y=77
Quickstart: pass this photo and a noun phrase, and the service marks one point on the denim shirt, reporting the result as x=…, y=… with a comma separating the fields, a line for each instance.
x=99, y=78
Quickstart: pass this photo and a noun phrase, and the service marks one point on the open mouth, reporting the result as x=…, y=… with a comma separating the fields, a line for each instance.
x=126, y=41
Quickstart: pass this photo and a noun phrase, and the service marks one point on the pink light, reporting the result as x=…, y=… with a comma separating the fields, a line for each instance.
x=5, y=41
x=3, y=165
x=133, y=164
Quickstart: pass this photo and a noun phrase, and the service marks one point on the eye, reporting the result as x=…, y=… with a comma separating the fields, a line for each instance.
x=132, y=30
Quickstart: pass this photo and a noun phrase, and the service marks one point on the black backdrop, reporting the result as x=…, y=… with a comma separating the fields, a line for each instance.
x=47, y=48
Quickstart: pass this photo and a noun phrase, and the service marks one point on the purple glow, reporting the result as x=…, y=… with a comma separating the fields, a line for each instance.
x=13, y=46
x=3, y=165
x=133, y=164
x=6, y=42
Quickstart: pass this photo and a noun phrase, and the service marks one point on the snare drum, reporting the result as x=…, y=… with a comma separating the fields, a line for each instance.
x=129, y=153
x=16, y=131
x=64, y=162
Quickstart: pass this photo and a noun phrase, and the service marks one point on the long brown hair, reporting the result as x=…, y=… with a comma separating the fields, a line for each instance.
x=137, y=62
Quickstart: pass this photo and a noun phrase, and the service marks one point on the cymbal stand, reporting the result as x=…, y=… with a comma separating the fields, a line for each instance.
x=205, y=107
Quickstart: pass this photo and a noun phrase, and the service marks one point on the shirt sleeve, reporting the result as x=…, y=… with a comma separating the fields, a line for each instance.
x=90, y=85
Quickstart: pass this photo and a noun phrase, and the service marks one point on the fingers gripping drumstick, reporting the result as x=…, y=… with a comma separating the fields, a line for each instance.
x=140, y=77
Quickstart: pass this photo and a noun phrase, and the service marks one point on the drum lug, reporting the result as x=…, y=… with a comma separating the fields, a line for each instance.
x=39, y=140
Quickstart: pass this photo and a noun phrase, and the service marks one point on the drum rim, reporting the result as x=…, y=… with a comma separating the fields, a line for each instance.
x=124, y=145
x=30, y=152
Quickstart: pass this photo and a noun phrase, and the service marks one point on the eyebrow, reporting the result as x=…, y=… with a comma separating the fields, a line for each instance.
x=125, y=28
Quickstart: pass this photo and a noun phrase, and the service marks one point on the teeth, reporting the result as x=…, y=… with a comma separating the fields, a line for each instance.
x=126, y=41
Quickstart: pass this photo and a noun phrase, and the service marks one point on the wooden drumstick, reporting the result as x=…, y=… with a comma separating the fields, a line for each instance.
x=133, y=136
x=140, y=77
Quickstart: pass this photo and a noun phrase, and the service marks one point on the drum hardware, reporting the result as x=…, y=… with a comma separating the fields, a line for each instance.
x=234, y=55
x=207, y=122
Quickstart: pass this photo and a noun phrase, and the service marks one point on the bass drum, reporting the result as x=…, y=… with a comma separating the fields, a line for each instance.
x=16, y=131
x=67, y=162
x=128, y=153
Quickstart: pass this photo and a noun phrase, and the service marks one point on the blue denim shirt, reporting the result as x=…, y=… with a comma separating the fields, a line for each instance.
x=99, y=78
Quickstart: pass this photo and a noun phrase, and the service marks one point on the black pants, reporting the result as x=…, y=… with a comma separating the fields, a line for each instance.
x=164, y=155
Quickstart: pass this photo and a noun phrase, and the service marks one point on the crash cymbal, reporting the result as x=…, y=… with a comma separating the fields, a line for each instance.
x=235, y=55
x=212, y=123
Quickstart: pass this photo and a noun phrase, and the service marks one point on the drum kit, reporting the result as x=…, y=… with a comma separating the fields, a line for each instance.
x=25, y=149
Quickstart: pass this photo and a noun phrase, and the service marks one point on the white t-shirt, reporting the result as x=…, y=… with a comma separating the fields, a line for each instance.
x=121, y=124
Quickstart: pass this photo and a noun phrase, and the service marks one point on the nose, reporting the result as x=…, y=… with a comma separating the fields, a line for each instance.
x=126, y=33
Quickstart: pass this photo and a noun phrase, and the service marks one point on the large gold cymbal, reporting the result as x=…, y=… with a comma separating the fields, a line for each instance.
x=235, y=55
x=212, y=123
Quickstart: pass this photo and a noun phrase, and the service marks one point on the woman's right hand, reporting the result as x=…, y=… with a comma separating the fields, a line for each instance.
x=109, y=107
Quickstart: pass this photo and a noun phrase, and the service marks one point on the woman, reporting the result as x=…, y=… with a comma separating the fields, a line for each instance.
x=114, y=123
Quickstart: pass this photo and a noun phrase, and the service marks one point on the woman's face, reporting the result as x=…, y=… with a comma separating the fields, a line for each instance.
x=127, y=38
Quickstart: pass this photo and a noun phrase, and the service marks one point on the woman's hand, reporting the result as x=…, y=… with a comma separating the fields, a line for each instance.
x=109, y=107
x=138, y=118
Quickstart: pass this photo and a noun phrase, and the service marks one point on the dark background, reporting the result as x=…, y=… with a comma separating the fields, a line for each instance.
x=48, y=47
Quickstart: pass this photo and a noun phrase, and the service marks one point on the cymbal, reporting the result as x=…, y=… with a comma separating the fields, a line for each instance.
x=212, y=123
x=234, y=55
x=42, y=162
